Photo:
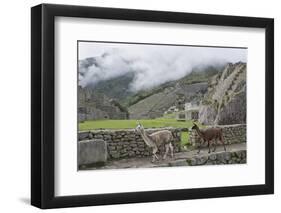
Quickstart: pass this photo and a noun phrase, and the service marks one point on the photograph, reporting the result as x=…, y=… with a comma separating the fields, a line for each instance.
x=139, y=105
x=146, y=105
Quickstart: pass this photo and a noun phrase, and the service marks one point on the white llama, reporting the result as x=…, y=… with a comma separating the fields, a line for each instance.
x=155, y=139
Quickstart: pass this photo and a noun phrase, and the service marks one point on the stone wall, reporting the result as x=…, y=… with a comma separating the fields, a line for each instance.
x=232, y=134
x=229, y=157
x=128, y=143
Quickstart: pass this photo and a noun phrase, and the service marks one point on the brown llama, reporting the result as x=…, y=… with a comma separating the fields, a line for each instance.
x=208, y=135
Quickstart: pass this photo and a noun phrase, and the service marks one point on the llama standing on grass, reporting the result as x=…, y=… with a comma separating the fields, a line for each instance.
x=208, y=135
x=155, y=139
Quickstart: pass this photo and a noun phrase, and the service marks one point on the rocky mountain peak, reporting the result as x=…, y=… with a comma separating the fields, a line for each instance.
x=226, y=97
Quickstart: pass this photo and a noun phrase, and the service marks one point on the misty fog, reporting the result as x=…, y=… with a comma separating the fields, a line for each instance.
x=152, y=65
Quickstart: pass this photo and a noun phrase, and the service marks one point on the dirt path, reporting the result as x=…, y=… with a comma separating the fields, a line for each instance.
x=180, y=159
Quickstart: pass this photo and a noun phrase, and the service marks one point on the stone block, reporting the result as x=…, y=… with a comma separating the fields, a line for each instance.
x=131, y=153
x=201, y=160
x=192, y=162
x=111, y=148
x=90, y=135
x=213, y=157
x=92, y=152
x=83, y=135
x=243, y=161
x=179, y=163
x=115, y=155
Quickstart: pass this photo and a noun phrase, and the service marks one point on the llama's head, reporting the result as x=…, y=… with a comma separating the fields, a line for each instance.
x=139, y=127
x=194, y=126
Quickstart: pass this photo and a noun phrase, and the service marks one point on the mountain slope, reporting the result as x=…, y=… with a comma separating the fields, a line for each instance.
x=156, y=104
x=117, y=88
x=225, y=101
x=153, y=103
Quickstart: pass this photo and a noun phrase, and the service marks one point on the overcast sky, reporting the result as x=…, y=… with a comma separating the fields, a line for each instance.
x=152, y=64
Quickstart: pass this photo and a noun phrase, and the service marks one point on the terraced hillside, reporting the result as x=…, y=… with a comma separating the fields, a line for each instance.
x=155, y=105
x=225, y=101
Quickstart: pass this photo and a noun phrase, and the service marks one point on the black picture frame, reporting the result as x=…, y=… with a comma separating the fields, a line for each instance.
x=43, y=105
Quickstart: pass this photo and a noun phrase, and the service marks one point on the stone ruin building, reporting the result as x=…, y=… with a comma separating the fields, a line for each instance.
x=186, y=110
x=190, y=112
x=180, y=100
x=97, y=106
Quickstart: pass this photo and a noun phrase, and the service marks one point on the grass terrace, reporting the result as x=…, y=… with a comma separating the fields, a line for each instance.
x=130, y=124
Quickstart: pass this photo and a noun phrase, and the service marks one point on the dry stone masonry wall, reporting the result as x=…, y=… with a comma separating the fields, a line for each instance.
x=127, y=143
x=96, y=147
x=229, y=157
x=232, y=134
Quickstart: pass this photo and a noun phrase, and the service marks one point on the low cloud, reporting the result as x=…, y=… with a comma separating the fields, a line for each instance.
x=152, y=65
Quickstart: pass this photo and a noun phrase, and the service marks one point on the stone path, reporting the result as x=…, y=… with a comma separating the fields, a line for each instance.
x=235, y=154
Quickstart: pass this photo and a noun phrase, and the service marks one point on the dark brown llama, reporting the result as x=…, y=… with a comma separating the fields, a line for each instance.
x=208, y=135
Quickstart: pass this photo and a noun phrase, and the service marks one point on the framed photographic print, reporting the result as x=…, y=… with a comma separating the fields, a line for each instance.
x=139, y=106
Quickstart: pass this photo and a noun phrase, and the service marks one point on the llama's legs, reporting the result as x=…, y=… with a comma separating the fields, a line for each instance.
x=155, y=157
x=154, y=150
x=215, y=145
x=209, y=147
x=222, y=141
x=166, y=151
x=199, y=147
x=171, y=149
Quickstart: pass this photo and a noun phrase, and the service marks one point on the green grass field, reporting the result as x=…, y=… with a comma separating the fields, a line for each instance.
x=184, y=138
x=130, y=124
